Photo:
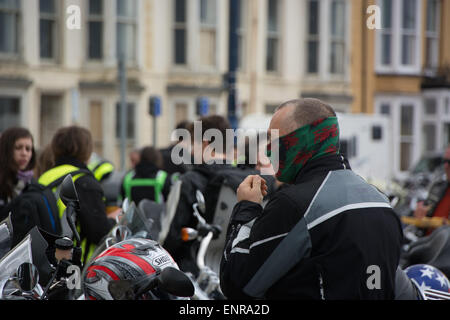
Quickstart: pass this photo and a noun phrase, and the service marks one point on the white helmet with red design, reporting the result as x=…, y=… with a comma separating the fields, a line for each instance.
x=127, y=260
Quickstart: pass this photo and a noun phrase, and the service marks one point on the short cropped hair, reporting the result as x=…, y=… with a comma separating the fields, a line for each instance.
x=308, y=110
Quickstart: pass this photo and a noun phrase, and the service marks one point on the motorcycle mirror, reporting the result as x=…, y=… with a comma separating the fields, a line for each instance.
x=176, y=282
x=200, y=201
x=27, y=277
x=68, y=192
x=121, y=233
x=125, y=205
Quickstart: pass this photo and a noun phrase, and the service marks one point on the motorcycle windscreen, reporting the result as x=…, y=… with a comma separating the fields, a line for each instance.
x=13, y=259
x=39, y=254
x=136, y=221
x=5, y=236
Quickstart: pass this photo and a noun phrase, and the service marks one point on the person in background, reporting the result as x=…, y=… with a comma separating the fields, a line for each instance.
x=211, y=167
x=168, y=164
x=45, y=161
x=17, y=160
x=72, y=148
x=438, y=202
x=147, y=180
x=134, y=157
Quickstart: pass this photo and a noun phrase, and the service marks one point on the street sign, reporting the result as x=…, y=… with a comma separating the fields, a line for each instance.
x=202, y=106
x=155, y=108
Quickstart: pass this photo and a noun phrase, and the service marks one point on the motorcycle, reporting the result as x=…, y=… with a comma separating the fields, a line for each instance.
x=207, y=283
x=142, y=222
x=37, y=268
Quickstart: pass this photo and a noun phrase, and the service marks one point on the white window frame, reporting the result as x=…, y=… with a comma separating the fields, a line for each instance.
x=278, y=35
x=189, y=102
x=325, y=39
x=56, y=36
x=395, y=103
x=192, y=28
x=435, y=35
x=396, y=65
x=18, y=35
x=179, y=25
x=208, y=28
x=135, y=21
x=95, y=18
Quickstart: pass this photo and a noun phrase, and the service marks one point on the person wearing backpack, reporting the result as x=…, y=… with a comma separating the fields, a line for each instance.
x=72, y=148
x=147, y=180
x=17, y=160
x=207, y=176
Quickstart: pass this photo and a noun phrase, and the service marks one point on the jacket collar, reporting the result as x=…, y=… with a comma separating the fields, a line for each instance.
x=322, y=166
x=71, y=161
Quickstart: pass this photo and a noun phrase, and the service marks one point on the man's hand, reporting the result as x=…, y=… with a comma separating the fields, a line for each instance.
x=253, y=188
x=421, y=210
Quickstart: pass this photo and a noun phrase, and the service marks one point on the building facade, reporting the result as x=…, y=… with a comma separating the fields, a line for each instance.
x=52, y=75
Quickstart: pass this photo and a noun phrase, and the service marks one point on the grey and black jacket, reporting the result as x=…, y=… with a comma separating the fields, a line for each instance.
x=329, y=236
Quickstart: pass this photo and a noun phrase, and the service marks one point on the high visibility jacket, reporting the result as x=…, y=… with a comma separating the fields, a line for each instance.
x=49, y=177
x=101, y=169
x=157, y=183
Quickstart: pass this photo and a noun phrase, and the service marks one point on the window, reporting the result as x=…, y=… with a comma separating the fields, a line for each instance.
x=9, y=112
x=406, y=136
x=326, y=38
x=180, y=34
x=337, y=36
x=273, y=35
x=131, y=123
x=409, y=37
x=241, y=30
x=429, y=137
x=398, y=47
x=96, y=125
x=348, y=147
x=432, y=34
x=50, y=117
x=9, y=26
x=48, y=29
x=313, y=37
x=208, y=32
x=181, y=112
x=430, y=106
x=126, y=29
x=386, y=32
x=385, y=109
x=95, y=30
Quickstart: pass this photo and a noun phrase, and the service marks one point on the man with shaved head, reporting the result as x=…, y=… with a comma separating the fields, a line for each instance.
x=327, y=235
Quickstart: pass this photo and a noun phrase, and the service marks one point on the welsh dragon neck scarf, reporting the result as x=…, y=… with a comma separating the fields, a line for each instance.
x=306, y=143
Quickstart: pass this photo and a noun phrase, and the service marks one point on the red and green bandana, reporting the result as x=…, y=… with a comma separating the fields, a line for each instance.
x=306, y=143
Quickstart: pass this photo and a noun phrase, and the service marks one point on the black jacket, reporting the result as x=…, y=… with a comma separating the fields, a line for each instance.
x=146, y=170
x=94, y=224
x=341, y=228
x=199, y=178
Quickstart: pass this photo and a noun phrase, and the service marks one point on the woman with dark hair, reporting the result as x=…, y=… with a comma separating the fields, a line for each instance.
x=72, y=147
x=17, y=160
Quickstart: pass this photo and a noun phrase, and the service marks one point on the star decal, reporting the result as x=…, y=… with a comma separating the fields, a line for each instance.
x=427, y=273
x=423, y=287
x=441, y=280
